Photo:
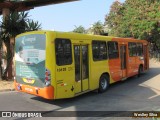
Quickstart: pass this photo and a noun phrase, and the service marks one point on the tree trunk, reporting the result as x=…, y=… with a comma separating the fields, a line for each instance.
x=8, y=73
x=11, y=66
x=10, y=70
x=6, y=12
x=1, y=58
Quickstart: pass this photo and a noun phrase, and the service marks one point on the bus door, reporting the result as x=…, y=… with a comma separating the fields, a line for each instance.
x=145, y=48
x=123, y=60
x=81, y=68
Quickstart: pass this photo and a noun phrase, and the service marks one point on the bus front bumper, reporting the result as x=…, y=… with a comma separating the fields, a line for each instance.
x=46, y=92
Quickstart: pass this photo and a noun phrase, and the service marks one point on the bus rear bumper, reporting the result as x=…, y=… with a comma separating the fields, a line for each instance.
x=46, y=92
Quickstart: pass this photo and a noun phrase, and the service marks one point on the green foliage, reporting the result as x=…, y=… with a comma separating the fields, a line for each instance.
x=97, y=28
x=113, y=19
x=12, y=25
x=135, y=18
x=16, y=23
x=79, y=29
x=31, y=25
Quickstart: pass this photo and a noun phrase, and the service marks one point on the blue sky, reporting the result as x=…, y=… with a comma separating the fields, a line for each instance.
x=64, y=17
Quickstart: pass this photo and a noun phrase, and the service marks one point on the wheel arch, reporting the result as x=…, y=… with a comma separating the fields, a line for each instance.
x=106, y=73
x=101, y=89
x=139, y=70
x=141, y=65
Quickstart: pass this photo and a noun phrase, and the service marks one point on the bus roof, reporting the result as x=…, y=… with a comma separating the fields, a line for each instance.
x=129, y=39
x=68, y=35
x=81, y=36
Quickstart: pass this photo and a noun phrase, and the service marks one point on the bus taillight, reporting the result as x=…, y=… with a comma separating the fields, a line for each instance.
x=47, y=78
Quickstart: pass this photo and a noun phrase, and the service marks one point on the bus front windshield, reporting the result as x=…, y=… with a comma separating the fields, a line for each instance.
x=30, y=59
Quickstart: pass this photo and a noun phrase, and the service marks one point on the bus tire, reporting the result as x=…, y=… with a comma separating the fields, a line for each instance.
x=140, y=70
x=103, y=83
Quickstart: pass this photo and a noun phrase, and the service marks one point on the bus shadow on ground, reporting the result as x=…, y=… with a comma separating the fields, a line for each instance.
x=121, y=96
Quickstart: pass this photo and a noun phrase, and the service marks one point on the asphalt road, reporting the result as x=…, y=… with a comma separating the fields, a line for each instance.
x=135, y=94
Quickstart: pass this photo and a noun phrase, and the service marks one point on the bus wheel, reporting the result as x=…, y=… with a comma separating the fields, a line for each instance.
x=103, y=83
x=140, y=70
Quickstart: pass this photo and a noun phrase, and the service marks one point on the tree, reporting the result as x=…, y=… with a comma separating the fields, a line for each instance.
x=79, y=29
x=135, y=18
x=97, y=28
x=12, y=25
x=113, y=19
x=144, y=16
x=32, y=25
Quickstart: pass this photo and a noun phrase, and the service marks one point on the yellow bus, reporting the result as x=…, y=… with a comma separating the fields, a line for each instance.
x=56, y=65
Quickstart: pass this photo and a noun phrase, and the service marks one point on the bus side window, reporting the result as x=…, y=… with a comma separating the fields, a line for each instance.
x=63, y=51
x=132, y=49
x=139, y=49
x=113, y=50
x=99, y=50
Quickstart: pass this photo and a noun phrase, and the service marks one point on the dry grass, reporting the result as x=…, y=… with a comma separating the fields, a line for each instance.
x=6, y=85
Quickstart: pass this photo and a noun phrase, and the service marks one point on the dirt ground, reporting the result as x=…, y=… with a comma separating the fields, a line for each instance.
x=6, y=85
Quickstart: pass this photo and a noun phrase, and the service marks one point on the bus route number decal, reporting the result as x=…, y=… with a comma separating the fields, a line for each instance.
x=70, y=68
x=61, y=69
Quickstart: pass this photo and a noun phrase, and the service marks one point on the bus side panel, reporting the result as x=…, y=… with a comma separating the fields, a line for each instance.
x=50, y=61
x=131, y=66
x=140, y=60
x=64, y=80
x=138, y=63
x=97, y=69
x=143, y=60
x=64, y=76
x=146, y=56
x=115, y=66
x=115, y=69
